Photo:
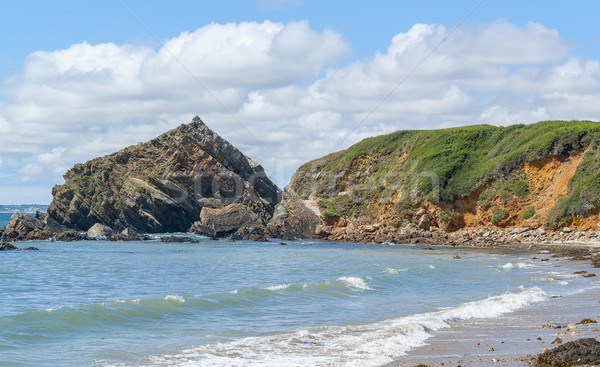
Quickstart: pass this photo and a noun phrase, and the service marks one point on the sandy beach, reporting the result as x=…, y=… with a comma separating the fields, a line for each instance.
x=517, y=338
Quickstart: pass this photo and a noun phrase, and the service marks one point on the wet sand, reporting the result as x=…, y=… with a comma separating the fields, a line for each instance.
x=516, y=338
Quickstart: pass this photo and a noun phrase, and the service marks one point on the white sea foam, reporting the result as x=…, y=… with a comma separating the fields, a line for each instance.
x=278, y=287
x=355, y=282
x=175, y=297
x=235, y=291
x=394, y=271
x=52, y=309
x=509, y=266
x=355, y=345
x=431, y=267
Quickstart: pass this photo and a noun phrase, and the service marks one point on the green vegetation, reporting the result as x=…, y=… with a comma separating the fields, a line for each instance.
x=499, y=216
x=514, y=185
x=528, y=213
x=342, y=205
x=447, y=165
x=448, y=216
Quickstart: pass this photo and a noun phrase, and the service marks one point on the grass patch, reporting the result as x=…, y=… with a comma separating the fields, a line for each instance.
x=528, y=213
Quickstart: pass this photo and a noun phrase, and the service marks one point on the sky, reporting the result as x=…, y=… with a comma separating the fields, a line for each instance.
x=286, y=81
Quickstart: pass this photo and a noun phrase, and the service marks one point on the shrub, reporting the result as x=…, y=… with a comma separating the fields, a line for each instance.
x=528, y=213
x=499, y=216
x=448, y=216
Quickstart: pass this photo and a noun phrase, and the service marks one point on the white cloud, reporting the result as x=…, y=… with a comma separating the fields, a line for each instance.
x=31, y=171
x=71, y=105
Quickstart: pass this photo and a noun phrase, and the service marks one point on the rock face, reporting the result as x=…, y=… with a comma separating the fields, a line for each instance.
x=294, y=218
x=164, y=185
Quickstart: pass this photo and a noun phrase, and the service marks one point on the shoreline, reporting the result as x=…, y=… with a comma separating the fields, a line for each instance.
x=516, y=338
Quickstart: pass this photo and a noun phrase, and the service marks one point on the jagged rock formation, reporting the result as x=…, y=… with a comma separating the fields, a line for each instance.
x=24, y=227
x=544, y=175
x=164, y=185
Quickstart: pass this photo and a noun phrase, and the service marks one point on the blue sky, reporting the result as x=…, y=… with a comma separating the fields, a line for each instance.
x=81, y=79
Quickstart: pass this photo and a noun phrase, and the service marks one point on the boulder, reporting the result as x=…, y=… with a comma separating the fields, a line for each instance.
x=323, y=230
x=250, y=234
x=518, y=230
x=99, y=231
x=574, y=353
x=424, y=221
x=129, y=232
x=225, y=221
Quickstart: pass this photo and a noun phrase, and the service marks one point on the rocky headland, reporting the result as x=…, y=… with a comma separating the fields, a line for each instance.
x=519, y=186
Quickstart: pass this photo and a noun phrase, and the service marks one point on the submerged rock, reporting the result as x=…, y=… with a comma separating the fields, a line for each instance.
x=178, y=239
x=5, y=246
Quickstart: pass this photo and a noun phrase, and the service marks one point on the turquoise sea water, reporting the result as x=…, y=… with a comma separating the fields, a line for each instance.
x=220, y=303
x=4, y=219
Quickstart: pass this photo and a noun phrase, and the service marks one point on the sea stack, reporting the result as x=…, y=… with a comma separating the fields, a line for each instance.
x=164, y=185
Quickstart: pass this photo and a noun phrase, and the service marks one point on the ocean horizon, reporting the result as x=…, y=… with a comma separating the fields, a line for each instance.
x=219, y=303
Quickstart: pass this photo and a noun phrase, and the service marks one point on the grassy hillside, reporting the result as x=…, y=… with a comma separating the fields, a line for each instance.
x=404, y=169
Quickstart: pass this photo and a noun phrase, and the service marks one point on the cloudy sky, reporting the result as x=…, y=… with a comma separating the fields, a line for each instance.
x=285, y=81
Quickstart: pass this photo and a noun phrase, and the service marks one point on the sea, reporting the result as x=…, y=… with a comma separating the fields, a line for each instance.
x=5, y=218
x=220, y=303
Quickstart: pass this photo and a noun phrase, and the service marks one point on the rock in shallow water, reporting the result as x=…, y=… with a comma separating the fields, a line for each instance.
x=5, y=246
x=99, y=231
x=178, y=239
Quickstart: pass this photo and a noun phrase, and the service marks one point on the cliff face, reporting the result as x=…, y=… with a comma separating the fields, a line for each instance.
x=544, y=175
x=164, y=184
